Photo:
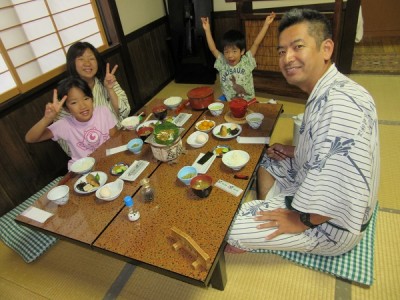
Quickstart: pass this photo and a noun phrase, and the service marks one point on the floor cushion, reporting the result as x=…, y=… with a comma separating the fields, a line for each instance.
x=356, y=265
x=28, y=243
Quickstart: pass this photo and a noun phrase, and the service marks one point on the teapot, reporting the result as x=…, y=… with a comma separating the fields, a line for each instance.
x=238, y=106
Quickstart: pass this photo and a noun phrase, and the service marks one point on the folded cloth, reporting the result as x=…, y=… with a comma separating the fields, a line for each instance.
x=28, y=243
x=356, y=265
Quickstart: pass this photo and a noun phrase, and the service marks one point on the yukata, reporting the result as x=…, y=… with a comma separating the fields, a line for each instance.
x=334, y=173
x=83, y=138
x=237, y=81
x=101, y=98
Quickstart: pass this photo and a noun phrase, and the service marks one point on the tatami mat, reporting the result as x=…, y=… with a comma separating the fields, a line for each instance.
x=66, y=271
x=387, y=261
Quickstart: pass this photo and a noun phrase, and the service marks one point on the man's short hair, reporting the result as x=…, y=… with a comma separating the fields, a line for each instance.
x=319, y=26
x=233, y=38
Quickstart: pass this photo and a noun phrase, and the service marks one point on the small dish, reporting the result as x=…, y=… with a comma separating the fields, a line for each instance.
x=82, y=182
x=118, y=168
x=221, y=150
x=201, y=185
x=160, y=112
x=205, y=125
x=197, y=139
x=173, y=102
x=59, y=194
x=135, y=145
x=216, y=108
x=131, y=123
x=186, y=174
x=151, y=123
x=227, y=130
x=254, y=120
x=83, y=165
x=110, y=191
x=236, y=159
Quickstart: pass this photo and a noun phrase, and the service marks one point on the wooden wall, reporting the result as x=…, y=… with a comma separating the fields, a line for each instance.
x=26, y=168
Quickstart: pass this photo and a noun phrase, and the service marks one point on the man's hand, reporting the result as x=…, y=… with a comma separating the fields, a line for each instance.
x=286, y=221
x=280, y=152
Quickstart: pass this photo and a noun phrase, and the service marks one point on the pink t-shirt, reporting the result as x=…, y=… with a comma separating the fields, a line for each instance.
x=84, y=137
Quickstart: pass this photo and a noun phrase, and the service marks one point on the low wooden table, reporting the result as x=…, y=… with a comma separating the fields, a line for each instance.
x=105, y=227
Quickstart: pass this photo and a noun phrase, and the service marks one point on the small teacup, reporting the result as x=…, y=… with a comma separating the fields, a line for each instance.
x=135, y=145
x=254, y=120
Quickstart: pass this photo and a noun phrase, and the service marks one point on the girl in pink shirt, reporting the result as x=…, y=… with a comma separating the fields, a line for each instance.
x=84, y=130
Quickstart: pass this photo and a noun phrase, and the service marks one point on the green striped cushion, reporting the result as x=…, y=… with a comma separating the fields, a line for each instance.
x=28, y=243
x=356, y=265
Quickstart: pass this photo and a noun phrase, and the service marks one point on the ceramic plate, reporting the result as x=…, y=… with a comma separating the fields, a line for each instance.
x=102, y=181
x=217, y=129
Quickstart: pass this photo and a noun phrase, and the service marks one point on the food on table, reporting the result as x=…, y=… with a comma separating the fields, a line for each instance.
x=119, y=169
x=93, y=180
x=205, y=125
x=220, y=150
x=201, y=139
x=201, y=185
x=105, y=192
x=234, y=129
x=166, y=133
x=189, y=175
x=223, y=131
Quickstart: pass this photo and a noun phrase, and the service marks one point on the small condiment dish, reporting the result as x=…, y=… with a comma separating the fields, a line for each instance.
x=83, y=165
x=135, y=145
x=236, y=159
x=197, y=139
x=59, y=194
x=110, y=191
x=186, y=174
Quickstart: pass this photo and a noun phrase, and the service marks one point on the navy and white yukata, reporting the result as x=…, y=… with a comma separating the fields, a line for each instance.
x=335, y=173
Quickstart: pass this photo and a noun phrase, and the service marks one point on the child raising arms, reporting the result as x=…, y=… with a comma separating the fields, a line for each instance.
x=84, y=130
x=235, y=67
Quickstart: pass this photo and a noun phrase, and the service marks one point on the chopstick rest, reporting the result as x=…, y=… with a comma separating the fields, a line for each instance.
x=228, y=187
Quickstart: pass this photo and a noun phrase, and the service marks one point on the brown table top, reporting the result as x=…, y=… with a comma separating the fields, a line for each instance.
x=105, y=226
x=207, y=220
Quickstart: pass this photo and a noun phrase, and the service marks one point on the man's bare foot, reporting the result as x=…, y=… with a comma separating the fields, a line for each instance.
x=233, y=250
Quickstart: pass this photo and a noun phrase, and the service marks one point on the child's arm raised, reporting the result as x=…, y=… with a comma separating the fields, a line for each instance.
x=210, y=40
x=39, y=132
x=262, y=33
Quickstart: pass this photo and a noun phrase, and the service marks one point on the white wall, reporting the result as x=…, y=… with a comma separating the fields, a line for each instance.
x=220, y=5
x=135, y=14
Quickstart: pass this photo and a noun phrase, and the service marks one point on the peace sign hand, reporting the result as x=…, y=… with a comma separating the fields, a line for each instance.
x=109, y=79
x=52, y=109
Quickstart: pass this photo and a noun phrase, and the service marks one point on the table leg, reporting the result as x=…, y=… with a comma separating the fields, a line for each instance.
x=218, y=278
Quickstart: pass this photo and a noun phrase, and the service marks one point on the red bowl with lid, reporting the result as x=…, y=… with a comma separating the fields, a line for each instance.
x=201, y=97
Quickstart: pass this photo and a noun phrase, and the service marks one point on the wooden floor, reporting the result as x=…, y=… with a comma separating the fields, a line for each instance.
x=378, y=55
